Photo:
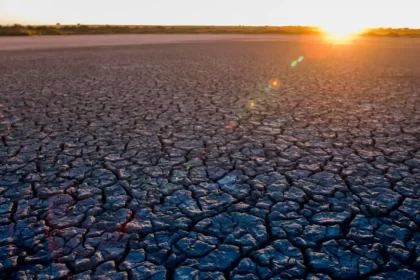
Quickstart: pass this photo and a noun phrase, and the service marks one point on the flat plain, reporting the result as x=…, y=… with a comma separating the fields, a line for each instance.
x=210, y=160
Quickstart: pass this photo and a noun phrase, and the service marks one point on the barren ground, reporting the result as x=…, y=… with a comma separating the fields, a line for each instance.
x=176, y=161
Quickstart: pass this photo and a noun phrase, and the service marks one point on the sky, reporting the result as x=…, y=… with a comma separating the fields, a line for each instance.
x=360, y=13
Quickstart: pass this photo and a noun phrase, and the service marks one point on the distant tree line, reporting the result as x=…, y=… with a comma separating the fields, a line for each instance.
x=59, y=29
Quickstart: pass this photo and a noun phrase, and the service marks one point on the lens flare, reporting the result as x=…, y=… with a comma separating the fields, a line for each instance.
x=274, y=84
x=297, y=61
x=231, y=126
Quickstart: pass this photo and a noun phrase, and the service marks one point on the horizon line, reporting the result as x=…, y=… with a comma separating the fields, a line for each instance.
x=192, y=25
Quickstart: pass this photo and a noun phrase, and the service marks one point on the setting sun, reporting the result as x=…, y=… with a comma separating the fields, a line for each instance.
x=337, y=32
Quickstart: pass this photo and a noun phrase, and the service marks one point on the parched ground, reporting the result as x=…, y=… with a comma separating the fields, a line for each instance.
x=177, y=161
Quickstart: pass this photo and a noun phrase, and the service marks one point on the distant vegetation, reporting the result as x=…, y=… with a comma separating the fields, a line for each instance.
x=20, y=30
x=392, y=32
x=58, y=29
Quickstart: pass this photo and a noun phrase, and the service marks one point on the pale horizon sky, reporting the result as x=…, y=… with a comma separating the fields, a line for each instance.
x=361, y=13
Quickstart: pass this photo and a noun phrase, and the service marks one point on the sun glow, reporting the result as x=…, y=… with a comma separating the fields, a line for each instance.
x=337, y=33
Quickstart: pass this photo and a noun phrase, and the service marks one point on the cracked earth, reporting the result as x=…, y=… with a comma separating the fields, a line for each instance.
x=177, y=162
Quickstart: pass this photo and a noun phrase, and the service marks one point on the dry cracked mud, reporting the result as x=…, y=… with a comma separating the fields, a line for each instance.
x=177, y=162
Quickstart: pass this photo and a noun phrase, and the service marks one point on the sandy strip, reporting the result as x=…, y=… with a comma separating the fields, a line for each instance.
x=48, y=42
